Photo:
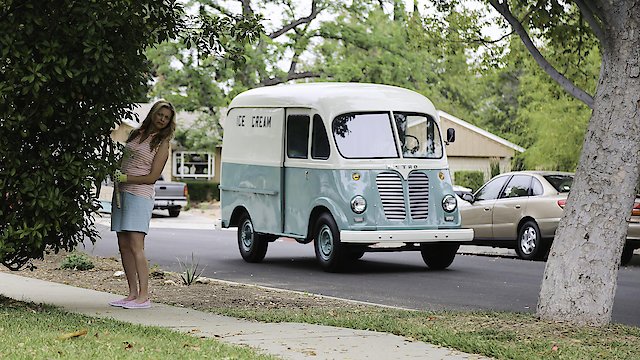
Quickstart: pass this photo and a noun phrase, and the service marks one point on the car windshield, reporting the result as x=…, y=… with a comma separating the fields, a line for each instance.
x=562, y=183
x=364, y=136
x=419, y=135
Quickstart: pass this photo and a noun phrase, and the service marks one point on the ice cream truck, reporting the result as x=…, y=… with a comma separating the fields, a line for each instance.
x=353, y=168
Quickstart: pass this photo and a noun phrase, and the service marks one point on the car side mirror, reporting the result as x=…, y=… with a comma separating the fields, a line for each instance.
x=468, y=198
x=451, y=135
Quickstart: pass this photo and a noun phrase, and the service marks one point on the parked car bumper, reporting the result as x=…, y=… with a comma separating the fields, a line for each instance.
x=169, y=204
x=409, y=236
x=634, y=231
x=548, y=227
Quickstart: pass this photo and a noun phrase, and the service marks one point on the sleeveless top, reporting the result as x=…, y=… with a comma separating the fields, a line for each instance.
x=137, y=161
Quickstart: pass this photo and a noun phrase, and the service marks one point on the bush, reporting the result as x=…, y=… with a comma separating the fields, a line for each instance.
x=203, y=191
x=494, y=167
x=70, y=71
x=77, y=262
x=471, y=179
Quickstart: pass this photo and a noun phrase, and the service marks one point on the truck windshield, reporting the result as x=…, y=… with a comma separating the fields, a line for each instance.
x=419, y=135
x=364, y=136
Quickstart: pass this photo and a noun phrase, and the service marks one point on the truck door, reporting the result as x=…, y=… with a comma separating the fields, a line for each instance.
x=297, y=172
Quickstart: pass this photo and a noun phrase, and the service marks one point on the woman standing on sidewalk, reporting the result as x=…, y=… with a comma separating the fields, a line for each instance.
x=146, y=153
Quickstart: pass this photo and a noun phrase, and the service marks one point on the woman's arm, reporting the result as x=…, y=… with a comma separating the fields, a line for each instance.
x=156, y=167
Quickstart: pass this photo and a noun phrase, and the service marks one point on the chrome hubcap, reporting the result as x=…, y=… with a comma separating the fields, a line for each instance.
x=325, y=242
x=246, y=236
x=528, y=241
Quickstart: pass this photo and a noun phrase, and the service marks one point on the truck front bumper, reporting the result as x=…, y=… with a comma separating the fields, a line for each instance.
x=406, y=236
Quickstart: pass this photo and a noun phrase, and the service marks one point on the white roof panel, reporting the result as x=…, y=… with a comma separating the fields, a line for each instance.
x=336, y=98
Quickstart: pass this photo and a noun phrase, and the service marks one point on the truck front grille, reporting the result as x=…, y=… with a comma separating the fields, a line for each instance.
x=419, y=195
x=392, y=195
x=390, y=187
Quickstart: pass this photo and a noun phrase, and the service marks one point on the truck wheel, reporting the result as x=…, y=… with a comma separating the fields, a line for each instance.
x=253, y=246
x=627, y=255
x=438, y=256
x=329, y=251
x=174, y=212
x=529, y=245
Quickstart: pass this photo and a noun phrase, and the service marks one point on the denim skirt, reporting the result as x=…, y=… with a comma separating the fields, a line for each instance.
x=134, y=213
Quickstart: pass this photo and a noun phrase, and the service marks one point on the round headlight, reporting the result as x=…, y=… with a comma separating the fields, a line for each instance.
x=449, y=203
x=358, y=204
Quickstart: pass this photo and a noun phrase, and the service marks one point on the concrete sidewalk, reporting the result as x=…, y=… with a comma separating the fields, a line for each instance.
x=285, y=340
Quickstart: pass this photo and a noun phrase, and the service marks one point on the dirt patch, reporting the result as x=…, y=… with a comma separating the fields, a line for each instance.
x=169, y=288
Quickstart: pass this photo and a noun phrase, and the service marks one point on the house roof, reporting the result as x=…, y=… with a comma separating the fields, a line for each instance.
x=480, y=131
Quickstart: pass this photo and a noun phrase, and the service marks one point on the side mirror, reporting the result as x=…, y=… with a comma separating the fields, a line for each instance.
x=468, y=198
x=451, y=135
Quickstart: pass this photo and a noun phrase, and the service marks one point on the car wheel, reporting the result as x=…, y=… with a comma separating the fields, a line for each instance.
x=530, y=245
x=253, y=246
x=174, y=212
x=627, y=255
x=329, y=251
x=438, y=256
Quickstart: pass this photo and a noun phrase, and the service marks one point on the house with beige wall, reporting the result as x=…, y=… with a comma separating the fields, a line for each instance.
x=475, y=148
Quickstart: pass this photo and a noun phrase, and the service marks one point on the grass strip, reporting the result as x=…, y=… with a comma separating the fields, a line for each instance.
x=31, y=331
x=500, y=335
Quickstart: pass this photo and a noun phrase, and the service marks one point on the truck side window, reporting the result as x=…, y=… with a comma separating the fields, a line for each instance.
x=319, y=140
x=297, y=136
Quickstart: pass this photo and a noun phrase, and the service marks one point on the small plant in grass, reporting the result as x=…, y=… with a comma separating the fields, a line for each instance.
x=191, y=272
x=77, y=262
x=156, y=272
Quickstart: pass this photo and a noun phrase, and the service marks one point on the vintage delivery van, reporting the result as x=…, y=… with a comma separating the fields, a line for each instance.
x=351, y=167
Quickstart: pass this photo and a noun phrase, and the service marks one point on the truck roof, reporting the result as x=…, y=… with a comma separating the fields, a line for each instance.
x=335, y=98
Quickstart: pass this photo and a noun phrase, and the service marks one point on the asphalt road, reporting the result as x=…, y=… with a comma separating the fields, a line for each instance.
x=396, y=279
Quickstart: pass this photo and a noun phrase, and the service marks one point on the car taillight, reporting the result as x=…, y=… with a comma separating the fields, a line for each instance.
x=562, y=203
x=185, y=191
x=636, y=209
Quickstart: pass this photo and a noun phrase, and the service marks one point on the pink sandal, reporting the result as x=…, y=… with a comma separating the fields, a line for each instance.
x=135, y=305
x=120, y=303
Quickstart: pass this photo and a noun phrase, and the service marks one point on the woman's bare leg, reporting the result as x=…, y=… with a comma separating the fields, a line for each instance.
x=141, y=264
x=128, y=263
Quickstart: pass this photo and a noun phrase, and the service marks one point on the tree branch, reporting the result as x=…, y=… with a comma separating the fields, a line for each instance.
x=305, y=20
x=294, y=76
x=503, y=8
x=590, y=16
x=246, y=7
x=221, y=9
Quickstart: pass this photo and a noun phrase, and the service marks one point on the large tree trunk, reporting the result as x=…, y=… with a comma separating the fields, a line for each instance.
x=579, y=282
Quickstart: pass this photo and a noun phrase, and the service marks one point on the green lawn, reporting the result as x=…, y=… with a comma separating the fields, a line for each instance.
x=494, y=334
x=29, y=331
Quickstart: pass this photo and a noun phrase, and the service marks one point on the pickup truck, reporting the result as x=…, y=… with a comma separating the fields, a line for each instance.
x=170, y=195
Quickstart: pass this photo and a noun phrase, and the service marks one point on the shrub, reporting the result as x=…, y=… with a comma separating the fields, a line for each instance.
x=494, y=166
x=70, y=71
x=471, y=179
x=77, y=262
x=203, y=191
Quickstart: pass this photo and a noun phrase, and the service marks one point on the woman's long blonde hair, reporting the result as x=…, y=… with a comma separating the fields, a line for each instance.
x=145, y=128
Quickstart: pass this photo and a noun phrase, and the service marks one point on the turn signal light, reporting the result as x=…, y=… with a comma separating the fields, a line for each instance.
x=562, y=203
x=185, y=191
